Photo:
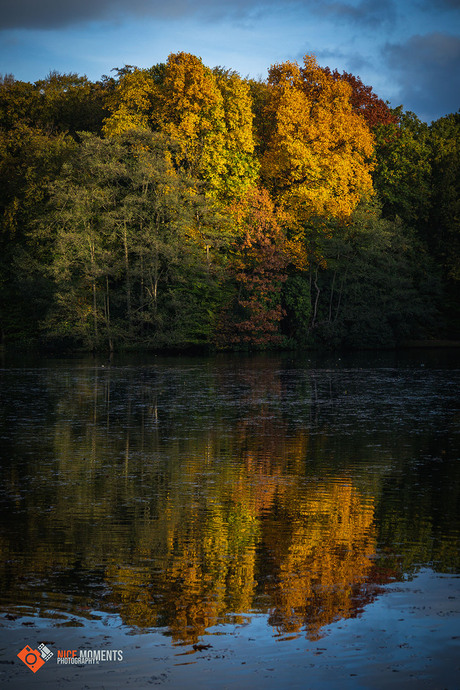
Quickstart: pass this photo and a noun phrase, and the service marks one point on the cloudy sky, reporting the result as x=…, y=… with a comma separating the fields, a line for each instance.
x=407, y=50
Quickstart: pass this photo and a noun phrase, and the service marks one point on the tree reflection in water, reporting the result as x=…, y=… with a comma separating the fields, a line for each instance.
x=189, y=496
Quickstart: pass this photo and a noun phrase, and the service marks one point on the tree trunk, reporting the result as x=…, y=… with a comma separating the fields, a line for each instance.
x=315, y=310
x=93, y=281
x=332, y=297
x=107, y=314
x=128, y=279
x=340, y=295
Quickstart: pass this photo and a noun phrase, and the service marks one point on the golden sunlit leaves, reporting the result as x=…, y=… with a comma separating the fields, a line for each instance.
x=317, y=152
x=191, y=112
x=209, y=114
x=131, y=103
x=317, y=161
x=242, y=166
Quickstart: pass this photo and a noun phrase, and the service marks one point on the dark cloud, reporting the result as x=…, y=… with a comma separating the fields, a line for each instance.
x=51, y=14
x=372, y=13
x=350, y=61
x=427, y=70
x=441, y=4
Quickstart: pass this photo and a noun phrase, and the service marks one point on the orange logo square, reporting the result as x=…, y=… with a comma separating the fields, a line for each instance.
x=35, y=658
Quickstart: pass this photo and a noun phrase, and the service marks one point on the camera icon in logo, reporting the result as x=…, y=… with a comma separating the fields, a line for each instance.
x=35, y=658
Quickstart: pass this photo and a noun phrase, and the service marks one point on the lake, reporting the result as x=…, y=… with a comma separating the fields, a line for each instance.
x=236, y=521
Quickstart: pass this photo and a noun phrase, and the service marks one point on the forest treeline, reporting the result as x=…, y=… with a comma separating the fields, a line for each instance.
x=186, y=206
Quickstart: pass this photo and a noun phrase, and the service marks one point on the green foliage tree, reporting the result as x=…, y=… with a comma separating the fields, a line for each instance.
x=444, y=239
x=443, y=235
x=59, y=103
x=298, y=307
x=30, y=159
x=70, y=103
x=128, y=265
x=374, y=284
x=402, y=175
x=18, y=102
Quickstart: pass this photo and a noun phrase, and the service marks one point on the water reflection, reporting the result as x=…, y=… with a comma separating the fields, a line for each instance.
x=187, y=494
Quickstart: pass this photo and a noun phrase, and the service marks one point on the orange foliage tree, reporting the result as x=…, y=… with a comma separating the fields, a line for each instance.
x=317, y=161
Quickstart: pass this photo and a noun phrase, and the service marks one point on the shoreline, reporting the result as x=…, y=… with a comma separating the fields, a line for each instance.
x=407, y=638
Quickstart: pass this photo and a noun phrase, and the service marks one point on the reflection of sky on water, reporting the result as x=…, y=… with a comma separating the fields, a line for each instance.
x=408, y=637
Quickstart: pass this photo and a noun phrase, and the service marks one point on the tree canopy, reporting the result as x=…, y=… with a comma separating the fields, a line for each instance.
x=183, y=205
x=318, y=156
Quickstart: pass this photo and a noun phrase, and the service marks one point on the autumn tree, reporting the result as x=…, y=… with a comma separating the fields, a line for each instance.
x=317, y=161
x=365, y=101
x=258, y=262
x=206, y=112
x=190, y=111
x=242, y=167
x=131, y=102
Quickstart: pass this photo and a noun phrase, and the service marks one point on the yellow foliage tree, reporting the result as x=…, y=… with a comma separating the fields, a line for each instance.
x=191, y=112
x=208, y=114
x=317, y=159
x=242, y=167
x=131, y=103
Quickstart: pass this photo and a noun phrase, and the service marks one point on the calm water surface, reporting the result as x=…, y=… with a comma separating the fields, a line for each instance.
x=179, y=498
